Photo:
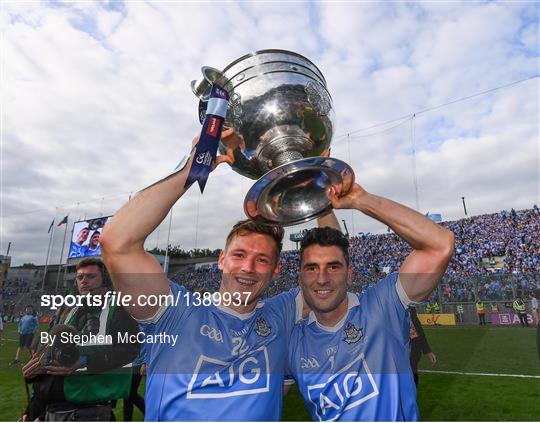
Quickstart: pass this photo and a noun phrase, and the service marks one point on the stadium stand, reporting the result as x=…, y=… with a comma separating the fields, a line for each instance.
x=496, y=255
x=511, y=237
x=515, y=236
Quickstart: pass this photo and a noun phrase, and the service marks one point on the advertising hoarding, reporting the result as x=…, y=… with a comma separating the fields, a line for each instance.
x=444, y=319
x=506, y=319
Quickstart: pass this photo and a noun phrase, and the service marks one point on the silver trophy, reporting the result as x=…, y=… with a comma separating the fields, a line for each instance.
x=281, y=109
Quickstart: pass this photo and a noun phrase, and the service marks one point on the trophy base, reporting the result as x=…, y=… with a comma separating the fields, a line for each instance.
x=297, y=191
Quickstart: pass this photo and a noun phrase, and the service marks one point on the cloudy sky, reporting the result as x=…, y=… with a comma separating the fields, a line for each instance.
x=96, y=104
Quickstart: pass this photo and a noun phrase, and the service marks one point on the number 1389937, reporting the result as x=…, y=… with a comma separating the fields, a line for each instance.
x=226, y=299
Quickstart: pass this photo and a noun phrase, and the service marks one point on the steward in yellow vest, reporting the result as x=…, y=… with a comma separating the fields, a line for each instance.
x=481, y=312
x=519, y=307
x=480, y=309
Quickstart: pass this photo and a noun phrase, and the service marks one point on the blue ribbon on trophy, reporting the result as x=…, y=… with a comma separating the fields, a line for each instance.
x=206, y=148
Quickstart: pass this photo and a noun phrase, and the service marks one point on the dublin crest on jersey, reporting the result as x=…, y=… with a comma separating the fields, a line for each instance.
x=352, y=334
x=262, y=328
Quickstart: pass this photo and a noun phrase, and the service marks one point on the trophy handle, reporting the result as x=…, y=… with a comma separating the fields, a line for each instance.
x=202, y=87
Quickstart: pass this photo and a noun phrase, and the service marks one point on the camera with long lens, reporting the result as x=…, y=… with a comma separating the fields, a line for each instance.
x=59, y=352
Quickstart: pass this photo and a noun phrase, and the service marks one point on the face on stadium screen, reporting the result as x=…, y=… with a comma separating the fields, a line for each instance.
x=83, y=235
x=324, y=277
x=248, y=265
x=94, y=241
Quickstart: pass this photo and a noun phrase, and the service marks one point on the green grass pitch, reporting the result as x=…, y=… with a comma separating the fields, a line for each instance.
x=441, y=397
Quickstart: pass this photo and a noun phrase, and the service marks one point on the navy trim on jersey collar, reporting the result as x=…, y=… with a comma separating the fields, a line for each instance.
x=352, y=302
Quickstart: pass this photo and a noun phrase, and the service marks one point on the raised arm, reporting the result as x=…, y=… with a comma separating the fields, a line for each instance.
x=134, y=271
x=432, y=244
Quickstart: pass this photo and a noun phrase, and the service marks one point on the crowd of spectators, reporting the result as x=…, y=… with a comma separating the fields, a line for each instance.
x=513, y=237
x=16, y=286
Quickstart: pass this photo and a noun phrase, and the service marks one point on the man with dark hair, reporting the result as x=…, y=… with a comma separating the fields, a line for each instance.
x=350, y=357
x=230, y=362
x=326, y=237
x=85, y=388
x=28, y=324
x=92, y=262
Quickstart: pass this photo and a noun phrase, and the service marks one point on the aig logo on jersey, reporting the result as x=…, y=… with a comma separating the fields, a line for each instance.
x=213, y=378
x=350, y=387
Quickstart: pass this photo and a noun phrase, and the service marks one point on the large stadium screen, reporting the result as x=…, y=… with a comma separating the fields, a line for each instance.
x=85, y=238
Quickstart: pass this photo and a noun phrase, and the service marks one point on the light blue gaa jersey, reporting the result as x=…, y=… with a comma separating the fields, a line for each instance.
x=28, y=324
x=87, y=251
x=358, y=370
x=225, y=366
x=76, y=250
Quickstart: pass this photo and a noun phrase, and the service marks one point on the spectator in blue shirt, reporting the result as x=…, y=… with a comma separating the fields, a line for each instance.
x=27, y=326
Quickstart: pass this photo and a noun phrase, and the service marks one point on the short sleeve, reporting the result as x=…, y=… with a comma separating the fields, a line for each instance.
x=170, y=313
x=383, y=301
x=289, y=374
x=287, y=306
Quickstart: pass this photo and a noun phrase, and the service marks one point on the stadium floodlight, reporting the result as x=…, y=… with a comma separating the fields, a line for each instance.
x=346, y=229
